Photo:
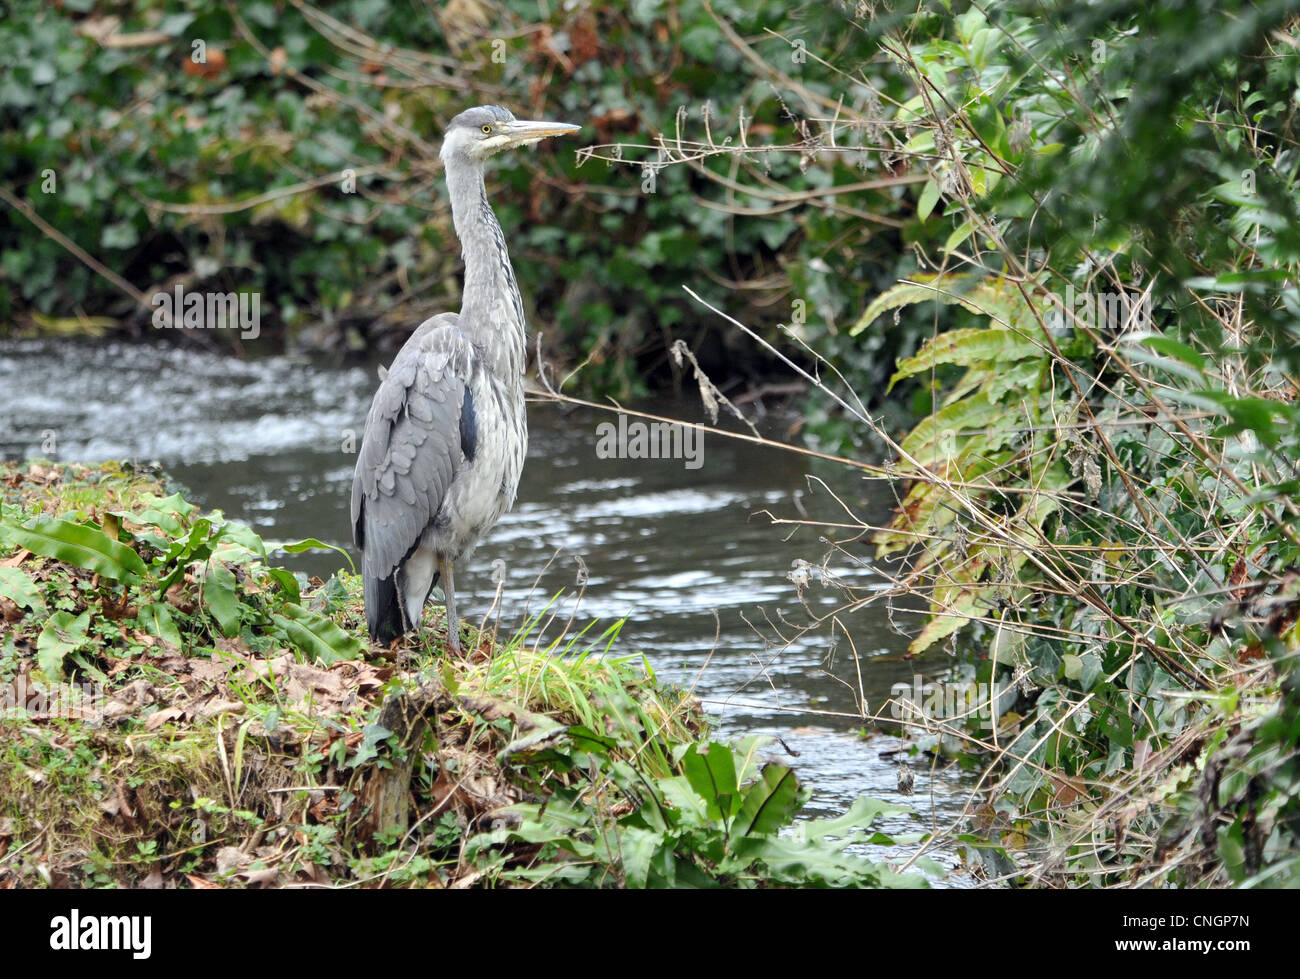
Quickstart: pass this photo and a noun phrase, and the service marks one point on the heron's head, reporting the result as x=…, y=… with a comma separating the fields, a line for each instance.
x=477, y=133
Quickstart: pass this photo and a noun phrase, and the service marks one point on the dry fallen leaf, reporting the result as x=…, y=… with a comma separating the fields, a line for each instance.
x=230, y=857
x=233, y=647
x=209, y=670
x=211, y=68
x=1069, y=789
x=158, y=718
x=179, y=599
x=216, y=706
x=137, y=693
x=15, y=559
x=266, y=877
x=316, y=679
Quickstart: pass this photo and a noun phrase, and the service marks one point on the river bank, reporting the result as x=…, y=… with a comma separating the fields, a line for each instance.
x=182, y=713
x=689, y=559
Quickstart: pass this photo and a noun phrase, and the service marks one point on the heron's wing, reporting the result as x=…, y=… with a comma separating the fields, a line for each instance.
x=412, y=444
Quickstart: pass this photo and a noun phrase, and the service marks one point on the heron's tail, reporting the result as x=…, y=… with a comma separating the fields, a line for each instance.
x=383, y=608
x=384, y=613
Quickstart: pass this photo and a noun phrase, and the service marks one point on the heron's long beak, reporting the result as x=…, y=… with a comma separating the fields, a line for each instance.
x=522, y=132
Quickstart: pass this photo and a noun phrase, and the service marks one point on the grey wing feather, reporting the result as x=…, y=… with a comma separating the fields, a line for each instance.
x=411, y=446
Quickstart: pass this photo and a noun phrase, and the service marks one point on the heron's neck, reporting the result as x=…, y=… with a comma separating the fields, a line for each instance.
x=491, y=312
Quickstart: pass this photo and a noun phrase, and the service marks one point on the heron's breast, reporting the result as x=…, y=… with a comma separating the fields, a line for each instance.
x=485, y=486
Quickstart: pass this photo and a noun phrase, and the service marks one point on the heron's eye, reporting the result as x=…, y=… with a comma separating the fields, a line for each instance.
x=487, y=129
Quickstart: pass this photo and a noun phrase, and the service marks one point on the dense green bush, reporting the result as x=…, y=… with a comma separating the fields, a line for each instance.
x=1105, y=508
x=229, y=175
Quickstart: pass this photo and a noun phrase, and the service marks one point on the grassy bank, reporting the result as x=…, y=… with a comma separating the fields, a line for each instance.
x=175, y=711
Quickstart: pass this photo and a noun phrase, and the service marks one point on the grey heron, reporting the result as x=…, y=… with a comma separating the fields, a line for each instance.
x=446, y=435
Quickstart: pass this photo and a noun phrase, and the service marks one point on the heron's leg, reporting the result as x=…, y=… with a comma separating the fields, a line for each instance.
x=414, y=584
x=448, y=589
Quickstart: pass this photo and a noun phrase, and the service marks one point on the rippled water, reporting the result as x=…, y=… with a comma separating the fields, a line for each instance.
x=685, y=555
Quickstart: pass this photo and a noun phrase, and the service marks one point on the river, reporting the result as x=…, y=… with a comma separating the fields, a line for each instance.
x=686, y=555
